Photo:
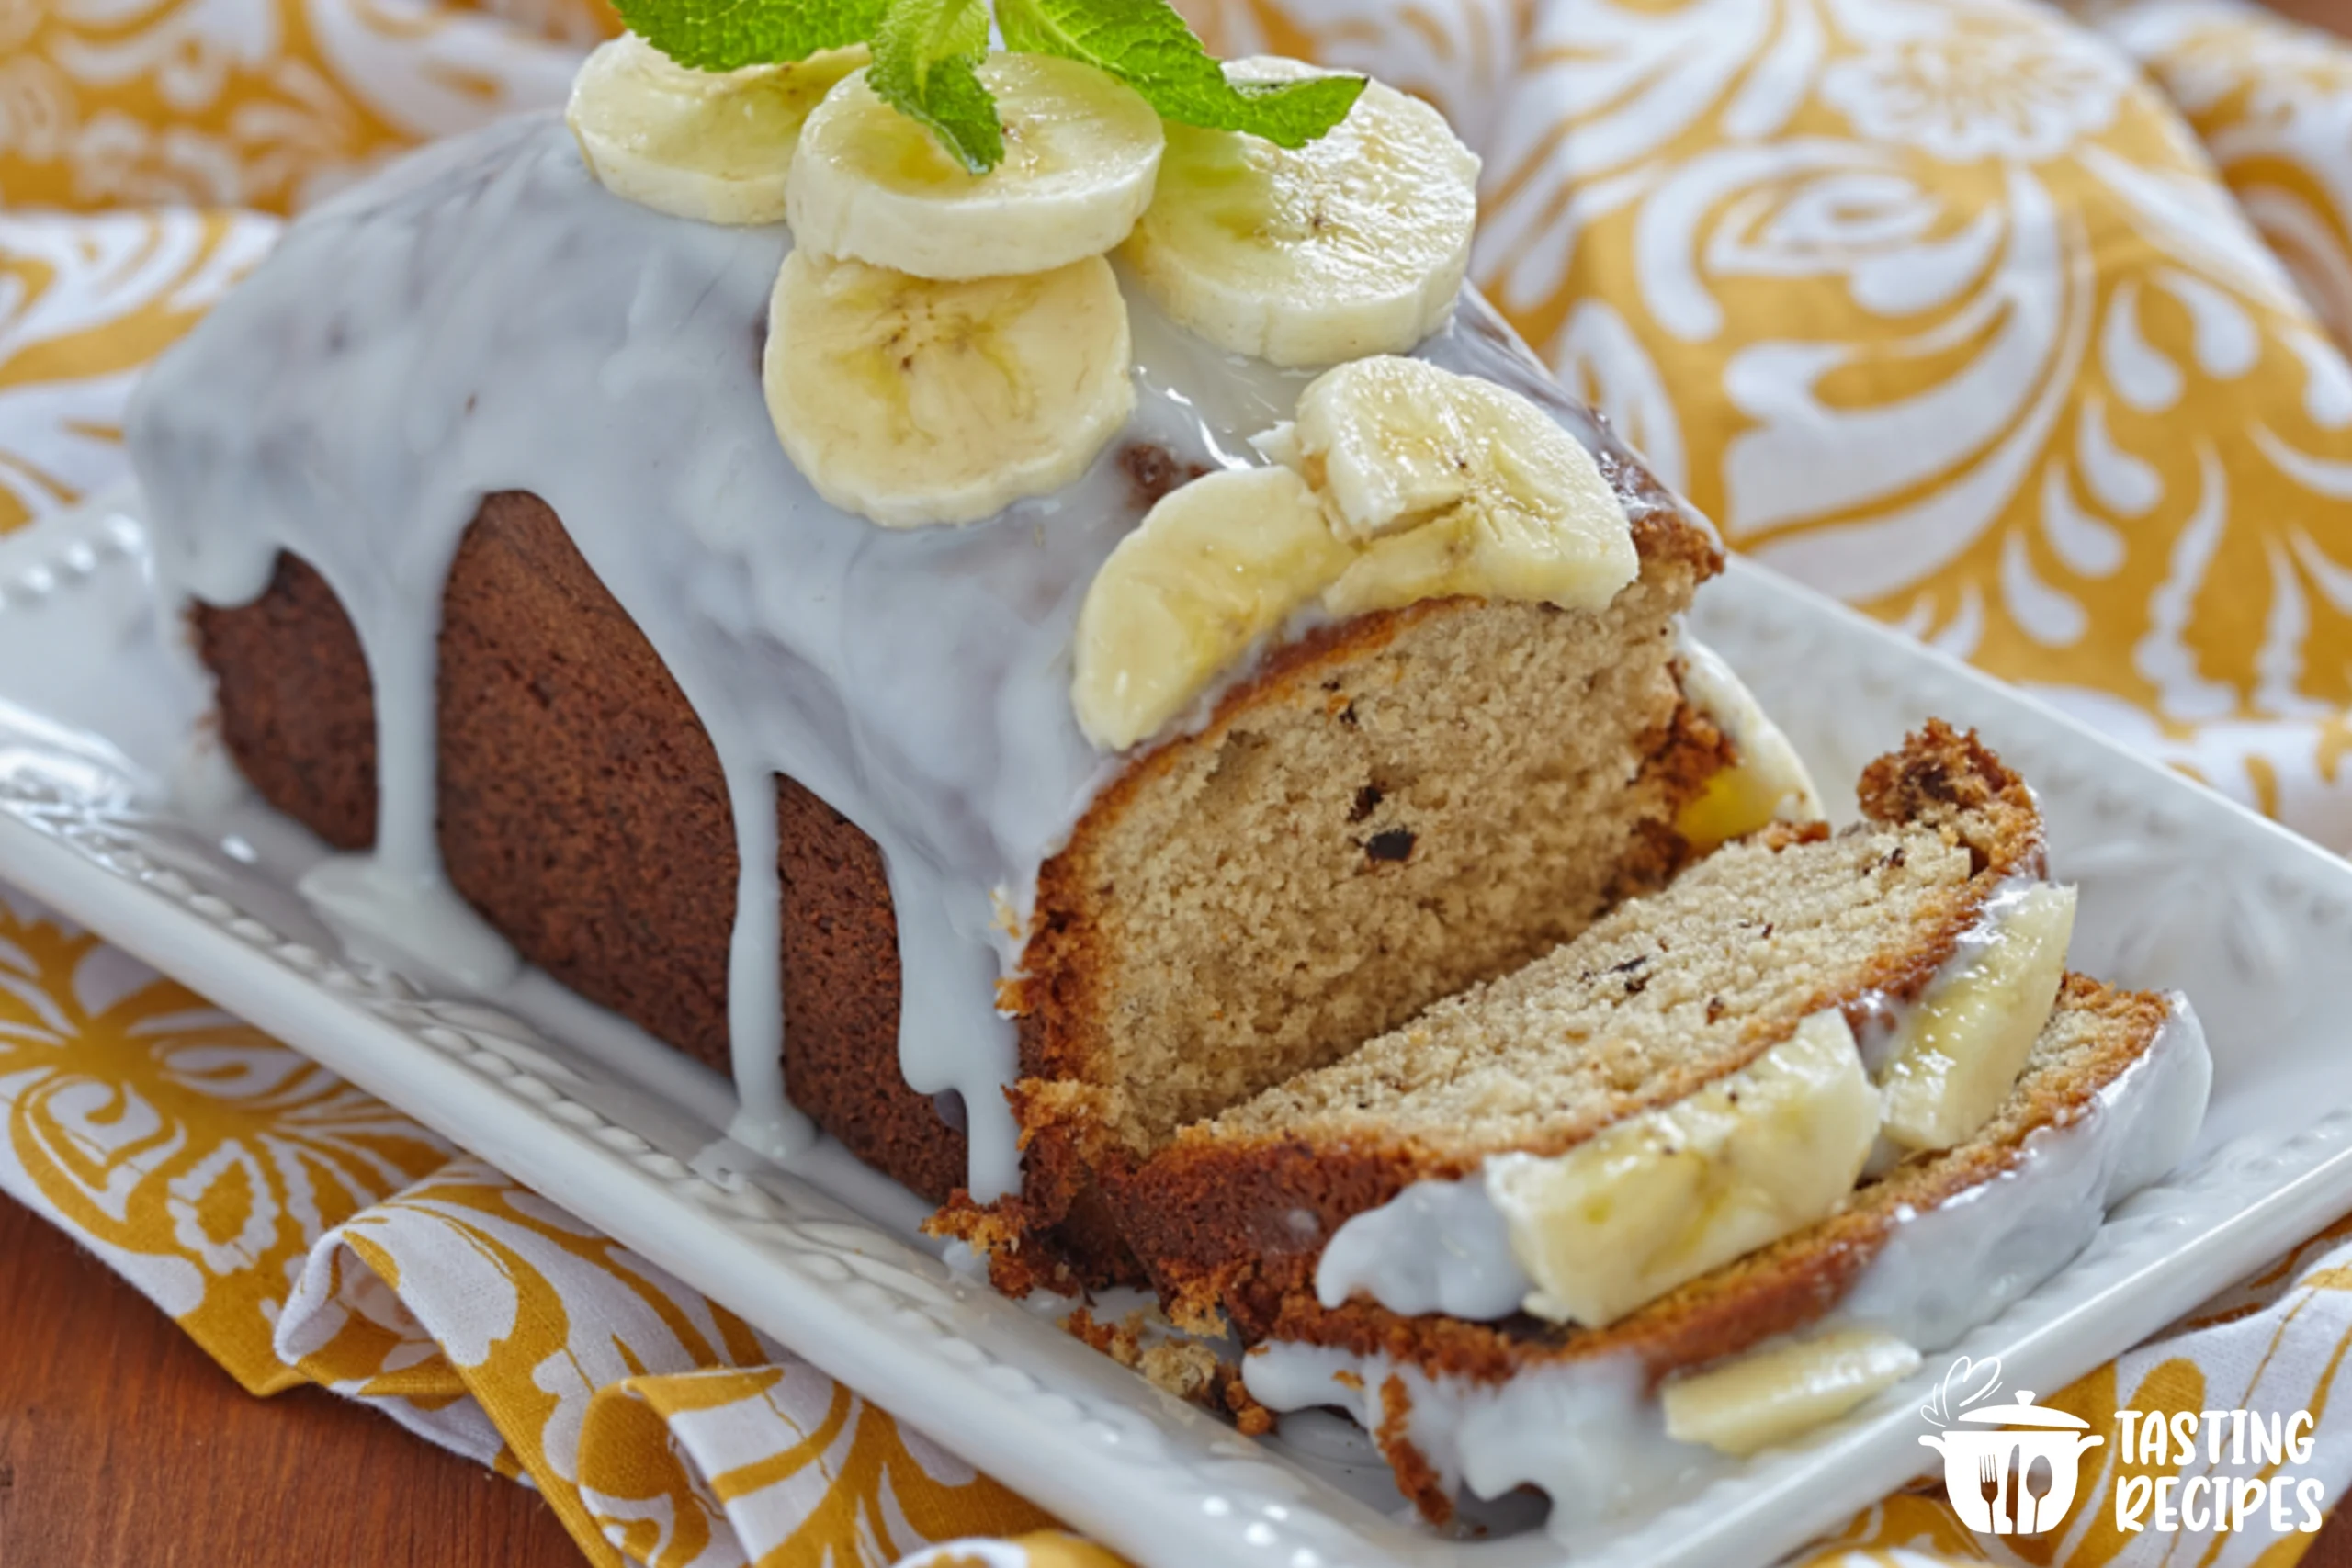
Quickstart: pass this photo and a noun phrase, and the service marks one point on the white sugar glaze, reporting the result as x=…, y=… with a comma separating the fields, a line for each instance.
x=1585, y=1434
x=1436, y=1247
x=1444, y=1245
x=483, y=317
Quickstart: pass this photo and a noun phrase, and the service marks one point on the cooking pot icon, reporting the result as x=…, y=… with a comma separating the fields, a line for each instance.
x=2013, y=1483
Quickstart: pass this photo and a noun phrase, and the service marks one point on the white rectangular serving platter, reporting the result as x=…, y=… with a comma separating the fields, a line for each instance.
x=112, y=810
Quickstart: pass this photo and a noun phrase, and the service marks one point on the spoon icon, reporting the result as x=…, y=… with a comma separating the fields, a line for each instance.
x=2038, y=1477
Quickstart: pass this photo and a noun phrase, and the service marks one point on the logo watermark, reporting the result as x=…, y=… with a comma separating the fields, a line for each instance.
x=2281, y=1502
x=2012, y=1468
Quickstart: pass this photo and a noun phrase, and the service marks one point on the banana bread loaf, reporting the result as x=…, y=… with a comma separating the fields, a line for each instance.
x=530, y=615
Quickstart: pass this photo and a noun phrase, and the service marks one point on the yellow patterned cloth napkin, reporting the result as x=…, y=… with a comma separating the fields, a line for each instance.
x=2020, y=329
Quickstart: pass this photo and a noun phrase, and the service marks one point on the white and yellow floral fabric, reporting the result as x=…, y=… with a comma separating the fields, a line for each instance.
x=2021, y=328
x=302, y=1232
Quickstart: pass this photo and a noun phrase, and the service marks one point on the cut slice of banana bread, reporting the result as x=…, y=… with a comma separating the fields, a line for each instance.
x=1667, y=993
x=1394, y=808
x=1416, y=1376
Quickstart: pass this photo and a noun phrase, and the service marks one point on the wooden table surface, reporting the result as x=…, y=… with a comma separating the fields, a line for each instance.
x=122, y=1445
x=2334, y=15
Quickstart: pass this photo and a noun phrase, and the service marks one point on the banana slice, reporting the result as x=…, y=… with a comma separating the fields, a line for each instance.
x=712, y=146
x=1731, y=805
x=911, y=401
x=1767, y=781
x=1665, y=1195
x=1472, y=492
x=1216, y=564
x=1771, y=1396
x=1080, y=149
x=1353, y=245
x=1454, y=485
x=1955, y=1058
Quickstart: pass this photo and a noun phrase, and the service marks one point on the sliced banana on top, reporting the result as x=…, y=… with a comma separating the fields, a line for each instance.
x=910, y=401
x=1217, y=564
x=712, y=146
x=1955, y=1057
x=1080, y=149
x=1399, y=482
x=1353, y=245
x=1455, y=486
x=1767, y=781
x=1664, y=1196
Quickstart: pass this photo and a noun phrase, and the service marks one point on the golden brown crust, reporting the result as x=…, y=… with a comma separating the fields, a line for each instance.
x=1942, y=774
x=296, y=708
x=1232, y=1224
x=1250, y=1418
x=583, y=813
x=1417, y=1478
x=1056, y=1234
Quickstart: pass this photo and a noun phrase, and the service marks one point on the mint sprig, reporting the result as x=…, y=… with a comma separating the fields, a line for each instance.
x=726, y=35
x=926, y=53
x=1146, y=45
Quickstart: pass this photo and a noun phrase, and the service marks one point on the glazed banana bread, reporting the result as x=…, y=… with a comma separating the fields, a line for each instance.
x=581, y=813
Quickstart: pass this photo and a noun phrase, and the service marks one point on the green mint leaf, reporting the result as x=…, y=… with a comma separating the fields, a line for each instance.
x=1146, y=45
x=723, y=35
x=924, y=57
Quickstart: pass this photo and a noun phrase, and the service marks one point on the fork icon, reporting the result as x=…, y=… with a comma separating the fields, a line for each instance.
x=1988, y=1480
